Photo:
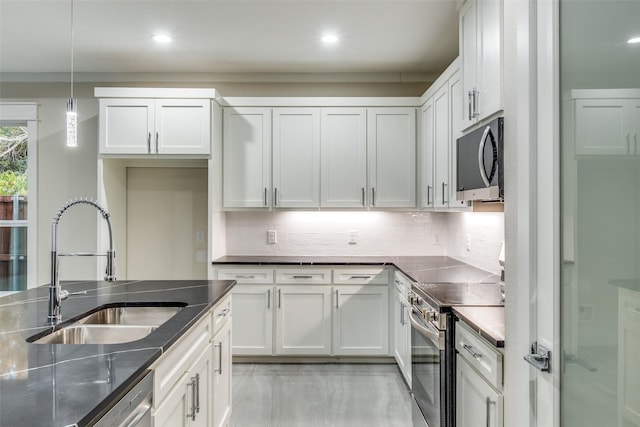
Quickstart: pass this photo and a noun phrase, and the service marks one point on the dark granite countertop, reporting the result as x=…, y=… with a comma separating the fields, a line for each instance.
x=487, y=321
x=62, y=385
x=422, y=269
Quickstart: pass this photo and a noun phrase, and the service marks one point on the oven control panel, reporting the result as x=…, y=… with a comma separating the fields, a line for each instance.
x=420, y=306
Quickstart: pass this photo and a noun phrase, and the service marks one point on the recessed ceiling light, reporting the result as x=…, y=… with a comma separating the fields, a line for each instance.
x=634, y=40
x=330, y=39
x=161, y=38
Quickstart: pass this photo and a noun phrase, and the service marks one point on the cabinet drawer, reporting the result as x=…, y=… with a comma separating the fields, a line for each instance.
x=479, y=354
x=247, y=275
x=221, y=314
x=299, y=276
x=361, y=276
x=178, y=360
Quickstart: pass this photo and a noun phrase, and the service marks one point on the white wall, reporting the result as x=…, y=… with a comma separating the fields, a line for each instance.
x=378, y=233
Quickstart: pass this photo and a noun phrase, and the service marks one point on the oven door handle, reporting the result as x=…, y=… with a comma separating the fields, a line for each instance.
x=432, y=335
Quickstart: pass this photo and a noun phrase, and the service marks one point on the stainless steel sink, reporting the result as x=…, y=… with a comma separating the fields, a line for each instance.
x=96, y=334
x=148, y=316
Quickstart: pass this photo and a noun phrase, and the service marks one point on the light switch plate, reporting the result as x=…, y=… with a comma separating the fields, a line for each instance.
x=272, y=237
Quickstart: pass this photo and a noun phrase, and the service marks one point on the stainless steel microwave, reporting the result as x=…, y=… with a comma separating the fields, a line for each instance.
x=480, y=163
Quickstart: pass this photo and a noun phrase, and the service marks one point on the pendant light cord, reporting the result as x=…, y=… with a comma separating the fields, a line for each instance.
x=71, y=49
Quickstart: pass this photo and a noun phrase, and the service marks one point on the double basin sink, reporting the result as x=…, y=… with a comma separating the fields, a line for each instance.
x=111, y=325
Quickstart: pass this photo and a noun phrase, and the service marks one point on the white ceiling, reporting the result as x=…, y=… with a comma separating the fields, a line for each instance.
x=412, y=37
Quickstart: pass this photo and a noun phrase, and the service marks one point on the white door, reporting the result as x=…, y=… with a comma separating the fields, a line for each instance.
x=441, y=147
x=183, y=126
x=296, y=158
x=247, y=157
x=252, y=320
x=361, y=320
x=303, y=320
x=126, y=126
x=173, y=410
x=392, y=157
x=343, y=147
x=221, y=381
x=427, y=161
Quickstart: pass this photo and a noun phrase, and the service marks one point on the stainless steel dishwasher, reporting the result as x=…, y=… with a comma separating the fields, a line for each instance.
x=134, y=409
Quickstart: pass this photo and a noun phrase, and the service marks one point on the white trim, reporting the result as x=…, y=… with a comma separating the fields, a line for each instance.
x=27, y=112
x=148, y=92
x=605, y=93
x=443, y=79
x=321, y=102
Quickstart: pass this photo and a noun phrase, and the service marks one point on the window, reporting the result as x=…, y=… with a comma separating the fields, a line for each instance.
x=18, y=135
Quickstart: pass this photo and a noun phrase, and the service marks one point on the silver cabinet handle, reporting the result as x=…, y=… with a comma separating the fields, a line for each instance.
x=192, y=384
x=337, y=304
x=475, y=103
x=443, y=192
x=428, y=195
x=363, y=201
x=402, y=321
x=268, y=299
x=219, y=370
x=244, y=276
x=197, y=387
x=628, y=143
x=265, y=196
x=303, y=277
x=157, y=137
x=361, y=277
x=224, y=312
x=279, y=298
x=469, y=95
x=275, y=197
x=149, y=143
x=470, y=350
x=489, y=403
x=373, y=196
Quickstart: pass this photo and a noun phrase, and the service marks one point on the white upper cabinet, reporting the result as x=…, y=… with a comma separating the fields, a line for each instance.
x=480, y=38
x=247, y=158
x=296, y=158
x=155, y=126
x=392, y=157
x=343, y=157
x=607, y=121
x=439, y=129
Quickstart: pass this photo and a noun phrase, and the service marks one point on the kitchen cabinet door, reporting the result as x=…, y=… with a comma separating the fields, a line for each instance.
x=426, y=154
x=441, y=138
x=247, y=157
x=343, y=147
x=296, y=158
x=183, y=126
x=253, y=320
x=392, y=157
x=303, y=320
x=477, y=403
x=126, y=125
x=221, y=381
x=602, y=127
x=402, y=336
x=481, y=52
x=634, y=124
x=188, y=403
x=455, y=121
x=628, y=368
x=361, y=320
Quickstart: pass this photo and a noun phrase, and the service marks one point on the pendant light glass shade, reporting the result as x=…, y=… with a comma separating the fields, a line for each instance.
x=72, y=123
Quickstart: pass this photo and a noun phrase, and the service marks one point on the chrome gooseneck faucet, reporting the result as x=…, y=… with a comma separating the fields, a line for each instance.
x=56, y=294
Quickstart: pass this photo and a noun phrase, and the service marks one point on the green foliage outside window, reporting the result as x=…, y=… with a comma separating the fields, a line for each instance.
x=13, y=160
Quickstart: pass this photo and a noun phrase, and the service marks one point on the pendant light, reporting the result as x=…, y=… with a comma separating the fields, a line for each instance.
x=72, y=114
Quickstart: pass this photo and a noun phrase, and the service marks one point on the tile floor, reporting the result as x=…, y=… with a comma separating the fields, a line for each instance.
x=319, y=395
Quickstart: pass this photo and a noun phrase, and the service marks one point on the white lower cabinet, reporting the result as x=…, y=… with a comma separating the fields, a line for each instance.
x=221, y=377
x=303, y=320
x=361, y=325
x=401, y=335
x=192, y=382
x=253, y=320
x=479, y=398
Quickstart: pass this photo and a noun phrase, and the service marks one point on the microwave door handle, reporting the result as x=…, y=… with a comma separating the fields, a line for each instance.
x=483, y=142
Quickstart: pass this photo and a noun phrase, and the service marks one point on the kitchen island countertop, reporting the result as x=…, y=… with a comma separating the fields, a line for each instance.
x=61, y=385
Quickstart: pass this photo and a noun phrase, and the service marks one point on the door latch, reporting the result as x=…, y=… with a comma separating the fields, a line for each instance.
x=540, y=357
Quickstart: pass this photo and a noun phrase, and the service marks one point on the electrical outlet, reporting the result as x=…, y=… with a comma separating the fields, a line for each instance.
x=436, y=239
x=353, y=237
x=272, y=237
x=200, y=236
x=468, y=242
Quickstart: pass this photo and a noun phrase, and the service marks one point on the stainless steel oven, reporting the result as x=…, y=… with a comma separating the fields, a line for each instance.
x=432, y=365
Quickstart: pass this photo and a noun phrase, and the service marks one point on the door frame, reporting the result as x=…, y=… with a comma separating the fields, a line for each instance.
x=532, y=209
